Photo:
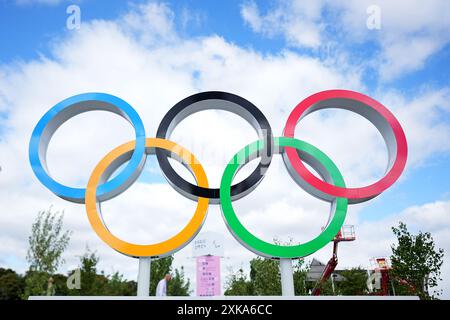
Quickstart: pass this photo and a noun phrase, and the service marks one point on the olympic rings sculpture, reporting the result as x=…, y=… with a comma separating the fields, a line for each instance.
x=132, y=155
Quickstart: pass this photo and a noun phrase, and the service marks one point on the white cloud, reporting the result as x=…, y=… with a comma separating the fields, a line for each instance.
x=191, y=18
x=298, y=21
x=251, y=15
x=143, y=65
x=411, y=31
x=425, y=128
x=152, y=22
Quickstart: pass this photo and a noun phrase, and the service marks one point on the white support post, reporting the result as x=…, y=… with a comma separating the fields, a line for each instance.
x=143, y=289
x=332, y=284
x=287, y=277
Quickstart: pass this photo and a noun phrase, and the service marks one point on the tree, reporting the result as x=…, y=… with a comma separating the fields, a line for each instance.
x=91, y=284
x=158, y=269
x=60, y=285
x=326, y=288
x=237, y=284
x=94, y=283
x=301, y=287
x=265, y=279
x=11, y=285
x=416, y=264
x=47, y=242
x=36, y=283
x=265, y=276
x=178, y=286
x=117, y=286
x=354, y=283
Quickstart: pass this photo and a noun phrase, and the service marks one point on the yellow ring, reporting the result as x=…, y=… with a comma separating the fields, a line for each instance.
x=152, y=250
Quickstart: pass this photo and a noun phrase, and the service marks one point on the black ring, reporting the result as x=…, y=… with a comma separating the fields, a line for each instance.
x=220, y=101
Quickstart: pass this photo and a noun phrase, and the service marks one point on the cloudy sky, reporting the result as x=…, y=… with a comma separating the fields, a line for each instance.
x=274, y=53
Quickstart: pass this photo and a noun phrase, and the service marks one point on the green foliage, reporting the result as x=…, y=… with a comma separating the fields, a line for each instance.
x=265, y=276
x=301, y=287
x=11, y=285
x=326, y=288
x=237, y=284
x=355, y=283
x=118, y=286
x=178, y=286
x=416, y=264
x=159, y=268
x=60, y=285
x=92, y=281
x=98, y=284
x=36, y=283
x=47, y=242
x=92, y=284
x=265, y=279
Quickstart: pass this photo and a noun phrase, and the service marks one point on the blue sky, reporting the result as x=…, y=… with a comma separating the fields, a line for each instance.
x=35, y=25
x=406, y=63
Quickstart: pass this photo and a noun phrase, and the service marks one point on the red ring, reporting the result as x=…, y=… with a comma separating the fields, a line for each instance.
x=351, y=193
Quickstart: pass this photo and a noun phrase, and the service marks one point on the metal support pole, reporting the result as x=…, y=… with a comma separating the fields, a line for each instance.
x=332, y=284
x=143, y=289
x=287, y=277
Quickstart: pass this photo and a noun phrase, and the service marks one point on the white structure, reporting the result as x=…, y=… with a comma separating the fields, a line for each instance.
x=208, y=244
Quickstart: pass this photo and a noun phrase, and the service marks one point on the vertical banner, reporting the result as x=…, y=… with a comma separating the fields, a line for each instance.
x=208, y=276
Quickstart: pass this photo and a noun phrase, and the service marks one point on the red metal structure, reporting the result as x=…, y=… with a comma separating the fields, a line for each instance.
x=347, y=233
x=381, y=267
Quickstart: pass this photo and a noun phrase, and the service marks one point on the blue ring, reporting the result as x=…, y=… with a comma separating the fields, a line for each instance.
x=69, y=108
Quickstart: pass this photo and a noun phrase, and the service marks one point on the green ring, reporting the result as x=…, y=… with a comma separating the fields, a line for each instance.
x=259, y=246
